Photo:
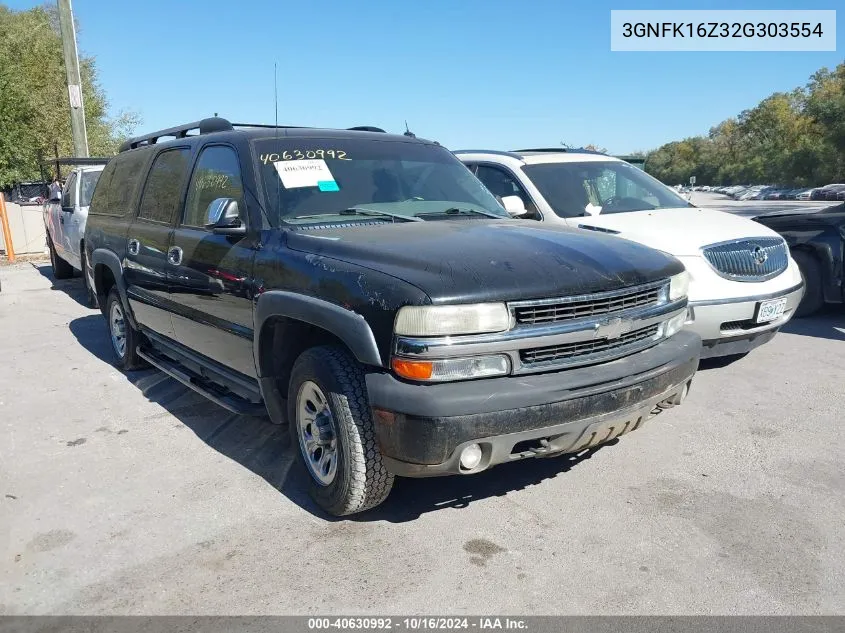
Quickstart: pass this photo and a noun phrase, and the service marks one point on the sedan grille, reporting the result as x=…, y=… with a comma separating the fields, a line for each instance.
x=753, y=259
x=583, y=352
x=566, y=308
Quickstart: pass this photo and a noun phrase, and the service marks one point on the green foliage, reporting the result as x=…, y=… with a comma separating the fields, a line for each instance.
x=795, y=138
x=34, y=103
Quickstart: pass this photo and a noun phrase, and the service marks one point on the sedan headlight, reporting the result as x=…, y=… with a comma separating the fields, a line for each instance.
x=678, y=286
x=476, y=318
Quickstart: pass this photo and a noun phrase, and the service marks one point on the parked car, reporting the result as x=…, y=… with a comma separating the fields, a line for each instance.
x=367, y=289
x=817, y=243
x=65, y=218
x=832, y=192
x=743, y=284
x=828, y=192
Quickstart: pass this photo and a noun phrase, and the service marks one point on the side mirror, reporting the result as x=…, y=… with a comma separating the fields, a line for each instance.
x=514, y=206
x=223, y=217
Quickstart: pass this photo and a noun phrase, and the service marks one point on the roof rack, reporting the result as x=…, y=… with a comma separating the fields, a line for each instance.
x=74, y=160
x=366, y=128
x=205, y=126
x=567, y=150
x=487, y=151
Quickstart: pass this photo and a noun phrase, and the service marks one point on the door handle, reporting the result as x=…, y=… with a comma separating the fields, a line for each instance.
x=134, y=246
x=174, y=255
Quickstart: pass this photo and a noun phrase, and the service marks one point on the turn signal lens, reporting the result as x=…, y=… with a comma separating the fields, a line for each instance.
x=413, y=369
x=452, y=368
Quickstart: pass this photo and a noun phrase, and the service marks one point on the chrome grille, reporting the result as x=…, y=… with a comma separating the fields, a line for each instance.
x=566, y=308
x=585, y=351
x=752, y=259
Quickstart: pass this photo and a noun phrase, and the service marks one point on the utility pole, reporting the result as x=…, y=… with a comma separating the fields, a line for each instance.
x=74, y=82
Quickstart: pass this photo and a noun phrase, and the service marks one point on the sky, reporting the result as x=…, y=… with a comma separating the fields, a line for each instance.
x=467, y=73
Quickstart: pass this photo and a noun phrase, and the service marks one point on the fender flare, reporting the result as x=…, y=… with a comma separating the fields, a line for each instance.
x=350, y=327
x=112, y=262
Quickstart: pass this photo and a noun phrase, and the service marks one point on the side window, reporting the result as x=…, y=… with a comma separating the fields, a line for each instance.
x=217, y=175
x=502, y=184
x=67, y=194
x=160, y=201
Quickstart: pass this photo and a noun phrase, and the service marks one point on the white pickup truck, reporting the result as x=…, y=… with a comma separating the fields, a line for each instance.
x=64, y=220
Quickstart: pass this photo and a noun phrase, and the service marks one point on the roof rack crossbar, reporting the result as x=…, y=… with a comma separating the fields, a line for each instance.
x=270, y=126
x=205, y=126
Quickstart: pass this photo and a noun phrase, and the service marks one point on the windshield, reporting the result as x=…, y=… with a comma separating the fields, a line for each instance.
x=86, y=188
x=310, y=180
x=587, y=188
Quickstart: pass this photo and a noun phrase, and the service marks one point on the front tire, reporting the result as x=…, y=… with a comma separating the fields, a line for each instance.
x=811, y=273
x=124, y=338
x=333, y=432
x=61, y=269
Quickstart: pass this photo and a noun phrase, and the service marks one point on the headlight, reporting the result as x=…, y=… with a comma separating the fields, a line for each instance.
x=678, y=286
x=452, y=368
x=476, y=318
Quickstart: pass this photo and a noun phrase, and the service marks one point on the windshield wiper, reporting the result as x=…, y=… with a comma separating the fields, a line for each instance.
x=459, y=211
x=375, y=212
x=360, y=211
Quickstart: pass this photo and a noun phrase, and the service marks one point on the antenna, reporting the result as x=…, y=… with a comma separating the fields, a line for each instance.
x=276, y=93
x=408, y=132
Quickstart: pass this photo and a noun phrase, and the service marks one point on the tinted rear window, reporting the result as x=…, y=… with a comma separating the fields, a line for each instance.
x=118, y=183
x=162, y=193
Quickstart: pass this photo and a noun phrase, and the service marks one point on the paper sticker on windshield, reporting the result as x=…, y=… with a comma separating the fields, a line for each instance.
x=303, y=173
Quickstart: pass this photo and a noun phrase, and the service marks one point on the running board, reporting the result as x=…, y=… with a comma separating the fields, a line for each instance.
x=189, y=379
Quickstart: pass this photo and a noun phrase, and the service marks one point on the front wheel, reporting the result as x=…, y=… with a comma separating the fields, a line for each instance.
x=811, y=273
x=332, y=427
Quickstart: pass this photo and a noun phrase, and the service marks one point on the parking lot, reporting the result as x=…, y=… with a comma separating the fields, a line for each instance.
x=129, y=494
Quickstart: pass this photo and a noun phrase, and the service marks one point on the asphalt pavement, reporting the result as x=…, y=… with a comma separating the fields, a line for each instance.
x=129, y=494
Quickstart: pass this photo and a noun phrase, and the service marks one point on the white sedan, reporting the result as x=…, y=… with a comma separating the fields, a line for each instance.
x=744, y=286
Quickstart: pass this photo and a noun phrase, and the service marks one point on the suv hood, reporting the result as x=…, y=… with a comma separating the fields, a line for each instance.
x=469, y=260
x=681, y=232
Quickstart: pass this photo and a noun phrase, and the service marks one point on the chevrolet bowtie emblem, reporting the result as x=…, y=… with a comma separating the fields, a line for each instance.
x=612, y=328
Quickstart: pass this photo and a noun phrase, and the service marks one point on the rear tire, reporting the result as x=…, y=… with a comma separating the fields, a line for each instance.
x=333, y=433
x=124, y=338
x=811, y=272
x=61, y=269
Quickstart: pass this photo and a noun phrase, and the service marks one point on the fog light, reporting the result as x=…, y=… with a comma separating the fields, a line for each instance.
x=471, y=457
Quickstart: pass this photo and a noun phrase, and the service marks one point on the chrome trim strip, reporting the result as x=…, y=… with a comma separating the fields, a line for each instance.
x=512, y=341
x=595, y=296
x=771, y=295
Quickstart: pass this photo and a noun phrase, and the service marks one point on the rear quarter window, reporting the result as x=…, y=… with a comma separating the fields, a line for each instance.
x=115, y=191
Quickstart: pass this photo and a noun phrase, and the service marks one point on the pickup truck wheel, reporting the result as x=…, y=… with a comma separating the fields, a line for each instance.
x=124, y=338
x=332, y=427
x=813, y=299
x=61, y=269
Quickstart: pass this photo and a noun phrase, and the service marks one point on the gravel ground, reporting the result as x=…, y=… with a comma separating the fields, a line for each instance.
x=128, y=494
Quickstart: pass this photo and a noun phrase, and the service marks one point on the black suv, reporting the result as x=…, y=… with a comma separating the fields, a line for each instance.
x=369, y=290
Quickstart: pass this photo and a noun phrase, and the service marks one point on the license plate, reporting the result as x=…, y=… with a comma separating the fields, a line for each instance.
x=770, y=310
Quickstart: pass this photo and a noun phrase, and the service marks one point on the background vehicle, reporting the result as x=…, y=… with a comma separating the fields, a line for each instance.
x=743, y=284
x=65, y=219
x=817, y=243
x=368, y=290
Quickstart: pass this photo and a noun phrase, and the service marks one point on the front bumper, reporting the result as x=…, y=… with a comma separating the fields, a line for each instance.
x=726, y=326
x=422, y=429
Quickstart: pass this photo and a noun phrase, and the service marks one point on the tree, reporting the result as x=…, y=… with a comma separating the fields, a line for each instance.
x=794, y=138
x=34, y=103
